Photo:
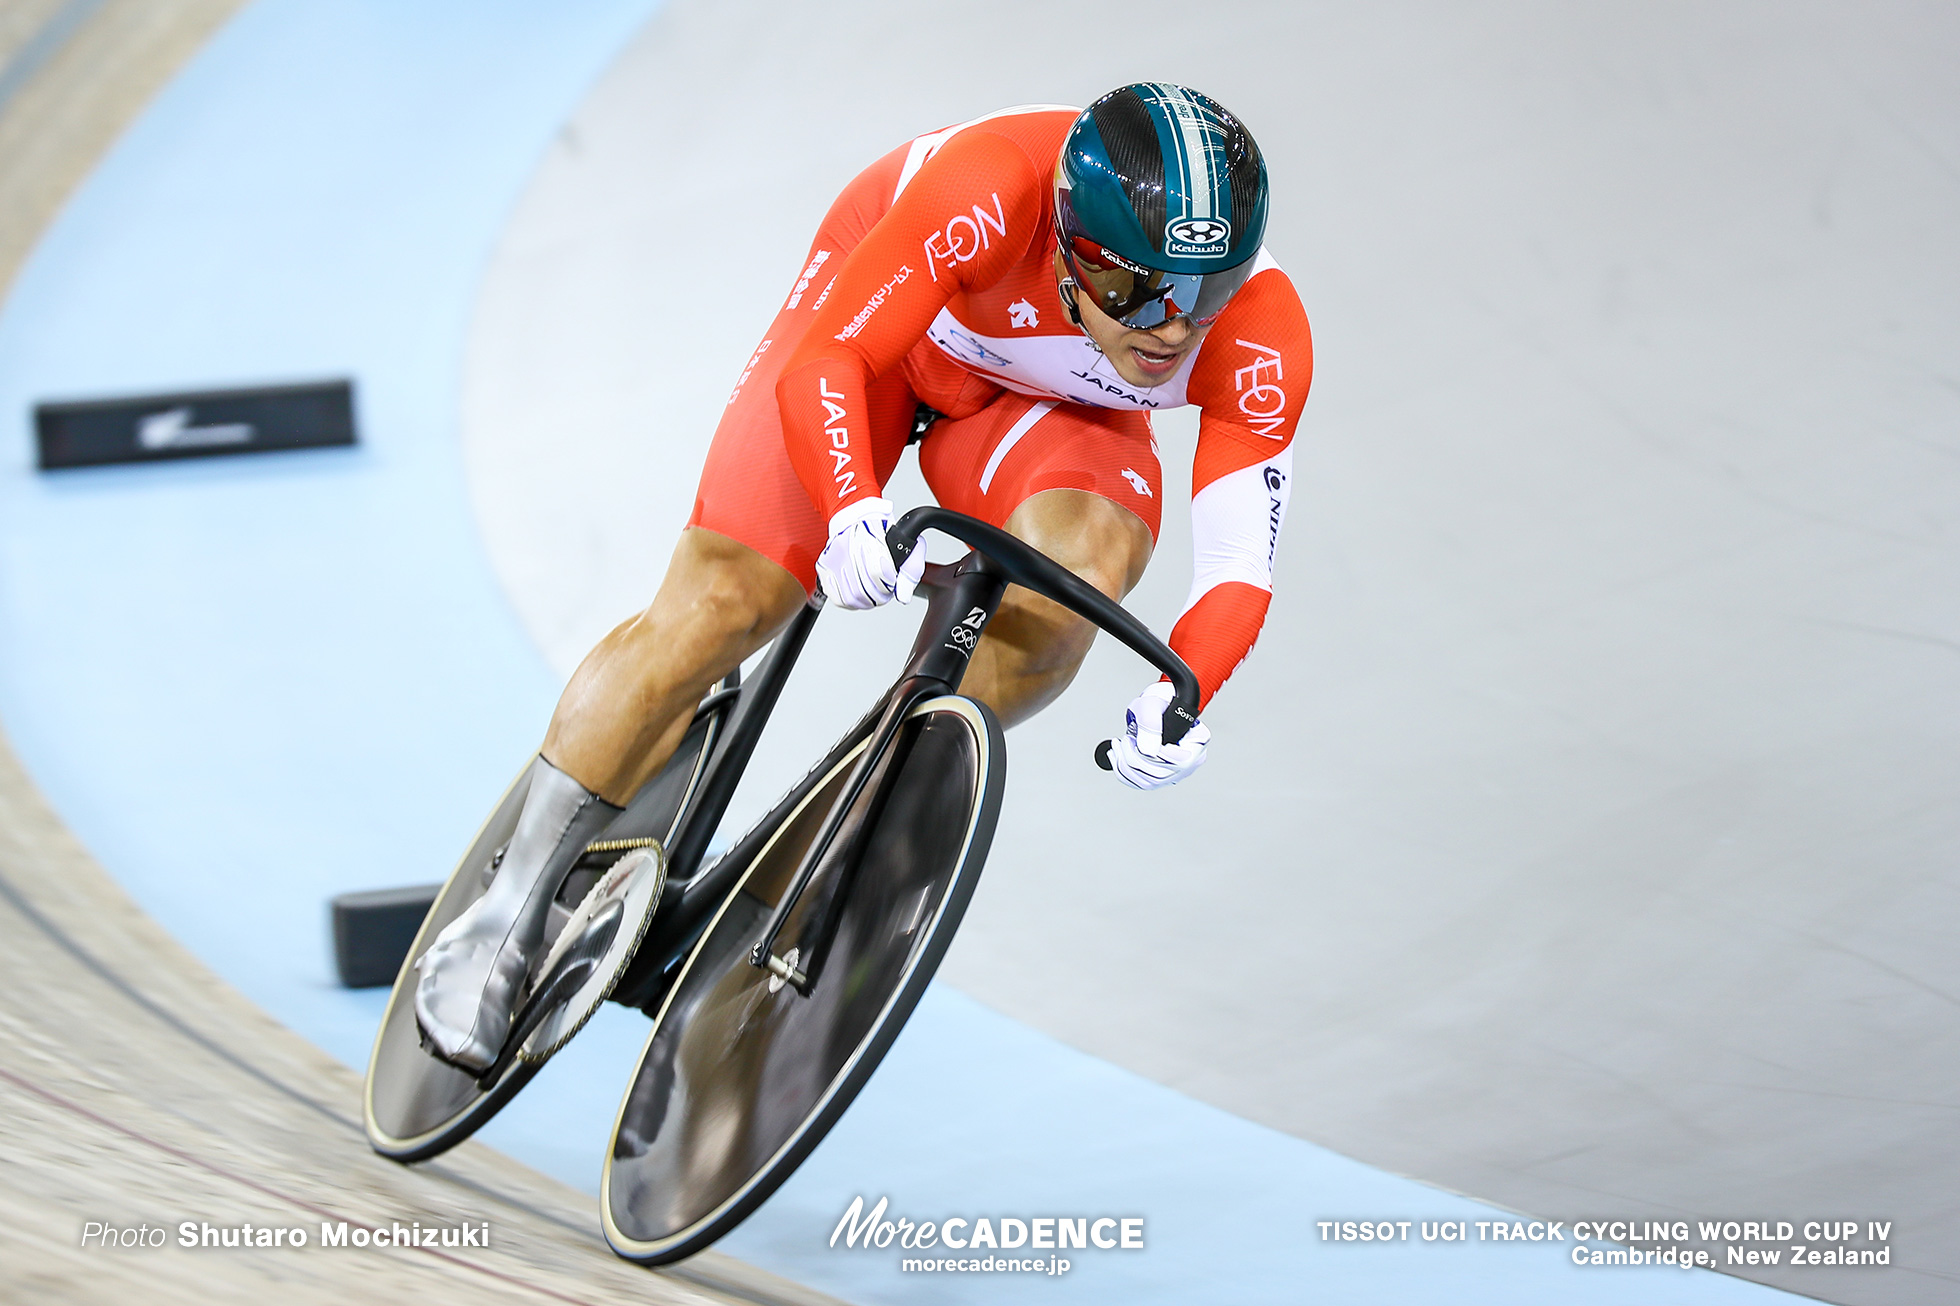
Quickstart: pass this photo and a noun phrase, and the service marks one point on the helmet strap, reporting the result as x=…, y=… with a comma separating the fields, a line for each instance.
x=1068, y=291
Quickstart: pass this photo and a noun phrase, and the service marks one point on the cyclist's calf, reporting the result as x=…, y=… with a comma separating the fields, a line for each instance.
x=629, y=703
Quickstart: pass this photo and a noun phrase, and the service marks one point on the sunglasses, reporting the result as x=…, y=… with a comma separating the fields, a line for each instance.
x=1140, y=297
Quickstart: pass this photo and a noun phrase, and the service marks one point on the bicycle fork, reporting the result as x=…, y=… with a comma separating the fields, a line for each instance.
x=959, y=611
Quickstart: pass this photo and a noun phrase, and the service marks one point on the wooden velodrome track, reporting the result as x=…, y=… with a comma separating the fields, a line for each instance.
x=135, y=1087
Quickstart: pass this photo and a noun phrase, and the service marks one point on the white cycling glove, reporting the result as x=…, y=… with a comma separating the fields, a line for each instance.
x=1142, y=758
x=856, y=570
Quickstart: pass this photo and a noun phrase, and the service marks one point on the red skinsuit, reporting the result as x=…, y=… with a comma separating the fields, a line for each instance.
x=937, y=279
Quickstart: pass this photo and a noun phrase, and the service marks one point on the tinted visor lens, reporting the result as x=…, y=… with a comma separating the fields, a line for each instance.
x=1143, y=297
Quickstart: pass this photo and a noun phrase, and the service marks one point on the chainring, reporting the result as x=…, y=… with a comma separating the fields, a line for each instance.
x=603, y=932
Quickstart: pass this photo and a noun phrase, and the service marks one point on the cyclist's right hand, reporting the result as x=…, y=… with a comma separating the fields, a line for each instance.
x=856, y=570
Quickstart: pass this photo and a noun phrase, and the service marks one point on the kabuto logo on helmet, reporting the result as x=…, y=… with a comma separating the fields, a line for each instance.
x=1198, y=237
x=1110, y=258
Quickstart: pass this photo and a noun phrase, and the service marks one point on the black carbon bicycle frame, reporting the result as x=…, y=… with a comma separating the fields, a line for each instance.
x=964, y=598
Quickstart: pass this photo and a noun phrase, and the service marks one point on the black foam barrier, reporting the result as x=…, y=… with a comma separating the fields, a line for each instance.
x=202, y=424
x=373, y=930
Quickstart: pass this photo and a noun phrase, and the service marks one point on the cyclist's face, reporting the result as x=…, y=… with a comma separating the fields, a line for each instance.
x=1143, y=358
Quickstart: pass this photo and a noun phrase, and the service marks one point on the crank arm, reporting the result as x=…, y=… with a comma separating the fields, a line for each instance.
x=532, y=1014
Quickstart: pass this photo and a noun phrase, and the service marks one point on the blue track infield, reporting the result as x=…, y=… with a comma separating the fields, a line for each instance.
x=249, y=685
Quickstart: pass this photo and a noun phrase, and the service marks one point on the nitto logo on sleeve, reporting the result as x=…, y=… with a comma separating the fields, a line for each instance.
x=1275, y=512
x=964, y=238
x=1262, y=401
x=1198, y=237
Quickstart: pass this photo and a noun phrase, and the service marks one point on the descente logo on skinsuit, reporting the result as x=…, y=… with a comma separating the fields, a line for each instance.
x=964, y=238
x=840, y=437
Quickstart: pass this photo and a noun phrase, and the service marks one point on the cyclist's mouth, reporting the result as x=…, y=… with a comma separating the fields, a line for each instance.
x=1157, y=365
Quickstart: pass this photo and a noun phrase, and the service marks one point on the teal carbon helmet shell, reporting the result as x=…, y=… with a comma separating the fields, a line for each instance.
x=1156, y=178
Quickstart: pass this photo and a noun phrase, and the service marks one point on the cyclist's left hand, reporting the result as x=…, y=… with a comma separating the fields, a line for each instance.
x=1141, y=757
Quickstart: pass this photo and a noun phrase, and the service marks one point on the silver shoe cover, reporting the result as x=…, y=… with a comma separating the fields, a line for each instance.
x=472, y=977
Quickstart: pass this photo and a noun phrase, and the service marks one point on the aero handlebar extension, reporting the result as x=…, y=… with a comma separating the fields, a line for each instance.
x=1028, y=567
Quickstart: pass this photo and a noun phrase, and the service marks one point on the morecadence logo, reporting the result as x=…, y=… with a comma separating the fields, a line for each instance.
x=981, y=1238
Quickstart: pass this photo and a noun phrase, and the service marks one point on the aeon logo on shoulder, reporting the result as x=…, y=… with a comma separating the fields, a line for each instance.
x=965, y=239
x=1198, y=237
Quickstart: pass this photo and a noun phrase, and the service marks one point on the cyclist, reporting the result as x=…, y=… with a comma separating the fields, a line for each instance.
x=1023, y=289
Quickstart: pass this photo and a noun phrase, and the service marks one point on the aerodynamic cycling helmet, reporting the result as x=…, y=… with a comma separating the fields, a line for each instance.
x=1160, y=204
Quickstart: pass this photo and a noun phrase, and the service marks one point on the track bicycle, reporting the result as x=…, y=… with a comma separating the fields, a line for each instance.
x=778, y=974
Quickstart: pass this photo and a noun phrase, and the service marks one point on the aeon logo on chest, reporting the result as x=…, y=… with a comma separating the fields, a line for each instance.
x=1198, y=237
x=964, y=238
